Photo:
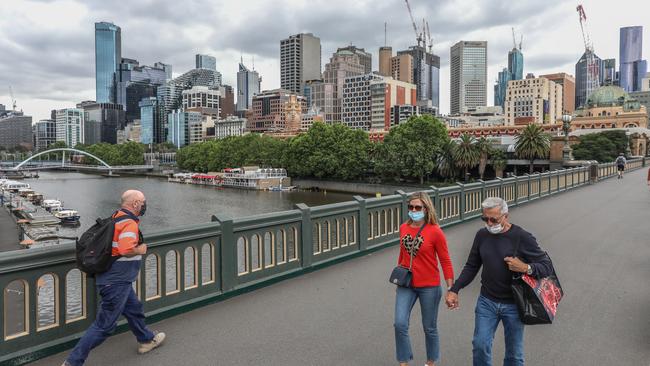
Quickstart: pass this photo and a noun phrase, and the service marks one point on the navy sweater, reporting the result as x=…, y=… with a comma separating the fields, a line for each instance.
x=489, y=250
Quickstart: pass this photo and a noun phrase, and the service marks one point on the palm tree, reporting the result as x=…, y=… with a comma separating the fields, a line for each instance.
x=499, y=162
x=445, y=160
x=484, y=149
x=466, y=155
x=532, y=143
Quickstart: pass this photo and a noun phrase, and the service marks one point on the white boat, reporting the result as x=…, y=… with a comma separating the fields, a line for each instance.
x=14, y=186
x=50, y=204
x=24, y=192
x=281, y=188
x=67, y=216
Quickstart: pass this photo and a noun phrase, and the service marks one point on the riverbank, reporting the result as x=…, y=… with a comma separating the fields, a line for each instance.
x=361, y=188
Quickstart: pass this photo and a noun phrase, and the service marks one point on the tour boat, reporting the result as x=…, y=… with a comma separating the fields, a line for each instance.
x=50, y=204
x=35, y=198
x=67, y=216
x=13, y=186
x=24, y=192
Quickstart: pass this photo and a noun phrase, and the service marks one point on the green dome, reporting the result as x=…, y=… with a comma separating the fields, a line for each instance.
x=608, y=96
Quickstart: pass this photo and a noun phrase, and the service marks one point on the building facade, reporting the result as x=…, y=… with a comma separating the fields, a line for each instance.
x=343, y=64
x=534, y=100
x=611, y=107
x=632, y=68
x=365, y=58
x=230, y=126
x=587, y=80
x=206, y=62
x=367, y=100
x=610, y=77
x=248, y=85
x=468, y=76
x=44, y=134
x=226, y=101
x=149, y=120
x=401, y=67
x=108, y=55
x=300, y=60
x=323, y=96
x=15, y=130
x=102, y=121
x=269, y=112
x=137, y=82
x=426, y=75
x=385, y=56
x=568, y=84
x=184, y=128
x=70, y=126
x=400, y=113
x=501, y=87
x=203, y=100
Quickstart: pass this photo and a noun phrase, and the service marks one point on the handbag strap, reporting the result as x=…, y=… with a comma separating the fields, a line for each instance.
x=413, y=244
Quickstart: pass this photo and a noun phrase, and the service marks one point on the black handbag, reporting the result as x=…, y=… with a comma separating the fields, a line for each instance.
x=402, y=276
x=536, y=299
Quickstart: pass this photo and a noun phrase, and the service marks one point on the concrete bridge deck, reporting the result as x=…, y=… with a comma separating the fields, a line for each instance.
x=597, y=235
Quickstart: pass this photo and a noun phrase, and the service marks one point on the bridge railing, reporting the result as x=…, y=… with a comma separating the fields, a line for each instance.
x=608, y=170
x=47, y=303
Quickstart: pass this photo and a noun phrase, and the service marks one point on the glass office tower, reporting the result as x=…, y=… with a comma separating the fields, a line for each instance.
x=108, y=55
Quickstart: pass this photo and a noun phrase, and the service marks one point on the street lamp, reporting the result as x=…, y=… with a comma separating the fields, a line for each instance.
x=567, y=151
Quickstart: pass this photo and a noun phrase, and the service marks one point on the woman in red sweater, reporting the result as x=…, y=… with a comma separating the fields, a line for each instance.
x=429, y=247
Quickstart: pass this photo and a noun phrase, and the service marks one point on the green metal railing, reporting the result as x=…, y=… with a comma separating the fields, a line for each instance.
x=47, y=303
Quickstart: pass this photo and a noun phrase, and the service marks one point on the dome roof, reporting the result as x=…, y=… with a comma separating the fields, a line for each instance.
x=607, y=96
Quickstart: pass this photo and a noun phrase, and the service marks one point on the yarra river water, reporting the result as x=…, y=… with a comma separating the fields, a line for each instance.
x=169, y=205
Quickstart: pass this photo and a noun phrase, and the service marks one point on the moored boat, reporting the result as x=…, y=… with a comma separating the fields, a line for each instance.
x=50, y=204
x=67, y=215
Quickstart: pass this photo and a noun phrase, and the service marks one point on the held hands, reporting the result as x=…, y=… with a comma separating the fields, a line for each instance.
x=516, y=265
x=451, y=299
x=141, y=249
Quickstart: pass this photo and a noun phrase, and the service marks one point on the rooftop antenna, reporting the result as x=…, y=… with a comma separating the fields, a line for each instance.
x=385, y=39
x=253, y=62
x=514, y=41
x=521, y=41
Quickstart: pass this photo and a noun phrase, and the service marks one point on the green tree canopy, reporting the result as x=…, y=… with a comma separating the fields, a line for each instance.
x=466, y=155
x=603, y=146
x=409, y=149
x=532, y=143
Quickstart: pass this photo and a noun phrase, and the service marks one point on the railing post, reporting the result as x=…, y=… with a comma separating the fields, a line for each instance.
x=404, y=208
x=228, y=253
x=501, y=193
x=306, y=236
x=363, y=223
x=482, y=189
x=436, y=201
x=461, y=202
x=530, y=196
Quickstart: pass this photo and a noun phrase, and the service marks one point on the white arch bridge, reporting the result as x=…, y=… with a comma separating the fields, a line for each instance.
x=30, y=164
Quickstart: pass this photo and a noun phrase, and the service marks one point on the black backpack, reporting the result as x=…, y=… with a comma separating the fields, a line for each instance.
x=94, y=248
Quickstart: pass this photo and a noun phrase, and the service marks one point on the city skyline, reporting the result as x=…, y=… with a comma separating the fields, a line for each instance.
x=40, y=52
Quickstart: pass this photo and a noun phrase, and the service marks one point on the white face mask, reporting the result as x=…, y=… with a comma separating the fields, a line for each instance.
x=495, y=229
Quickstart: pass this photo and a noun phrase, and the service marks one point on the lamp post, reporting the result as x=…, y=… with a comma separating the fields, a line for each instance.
x=567, y=151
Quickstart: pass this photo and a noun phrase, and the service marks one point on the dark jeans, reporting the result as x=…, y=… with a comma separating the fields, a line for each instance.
x=488, y=316
x=117, y=299
x=429, y=301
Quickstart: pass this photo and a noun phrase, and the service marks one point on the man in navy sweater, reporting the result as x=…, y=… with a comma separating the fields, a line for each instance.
x=494, y=249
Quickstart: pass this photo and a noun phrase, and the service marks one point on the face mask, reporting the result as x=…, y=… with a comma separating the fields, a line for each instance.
x=143, y=209
x=416, y=215
x=496, y=229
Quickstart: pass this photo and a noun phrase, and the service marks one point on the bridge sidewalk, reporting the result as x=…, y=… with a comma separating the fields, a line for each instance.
x=597, y=236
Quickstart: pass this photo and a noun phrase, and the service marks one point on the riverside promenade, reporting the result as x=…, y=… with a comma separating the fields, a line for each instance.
x=597, y=236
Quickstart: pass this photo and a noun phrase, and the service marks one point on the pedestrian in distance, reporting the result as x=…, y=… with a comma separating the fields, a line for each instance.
x=492, y=250
x=620, y=165
x=115, y=285
x=422, y=246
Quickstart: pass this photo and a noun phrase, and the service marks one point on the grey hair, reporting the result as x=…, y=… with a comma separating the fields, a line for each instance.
x=492, y=202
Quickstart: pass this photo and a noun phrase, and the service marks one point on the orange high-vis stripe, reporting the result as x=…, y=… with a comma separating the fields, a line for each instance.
x=125, y=236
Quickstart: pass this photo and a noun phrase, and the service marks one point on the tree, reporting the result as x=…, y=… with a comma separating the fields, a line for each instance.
x=410, y=148
x=466, y=154
x=445, y=160
x=499, y=161
x=484, y=149
x=603, y=146
x=532, y=143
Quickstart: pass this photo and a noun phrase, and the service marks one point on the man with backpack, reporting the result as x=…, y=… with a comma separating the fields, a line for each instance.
x=115, y=284
x=620, y=165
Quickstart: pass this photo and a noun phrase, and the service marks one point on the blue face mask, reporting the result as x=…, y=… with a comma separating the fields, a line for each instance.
x=416, y=215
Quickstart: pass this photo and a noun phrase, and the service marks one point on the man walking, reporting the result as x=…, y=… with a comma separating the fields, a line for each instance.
x=493, y=249
x=115, y=285
x=620, y=165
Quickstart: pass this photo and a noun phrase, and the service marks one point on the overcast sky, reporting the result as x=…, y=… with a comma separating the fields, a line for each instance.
x=47, y=47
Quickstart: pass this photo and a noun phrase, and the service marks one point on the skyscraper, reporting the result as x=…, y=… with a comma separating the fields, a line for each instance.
x=300, y=61
x=516, y=63
x=365, y=58
x=426, y=75
x=385, y=55
x=108, y=55
x=568, y=84
x=149, y=119
x=632, y=68
x=609, y=72
x=468, y=75
x=248, y=84
x=137, y=82
x=501, y=87
x=70, y=126
x=206, y=62
x=583, y=89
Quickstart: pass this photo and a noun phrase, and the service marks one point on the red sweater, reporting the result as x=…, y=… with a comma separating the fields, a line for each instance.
x=430, y=246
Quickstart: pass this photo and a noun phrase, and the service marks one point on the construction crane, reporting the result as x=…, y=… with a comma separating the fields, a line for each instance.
x=592, y=68
x=418, y=36
x=13, y=99
x=514, y=40
x=430, y=44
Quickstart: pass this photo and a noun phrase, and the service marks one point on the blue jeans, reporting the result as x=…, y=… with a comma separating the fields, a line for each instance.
x=117, y=299
x=488, y=315
x=429, y=301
